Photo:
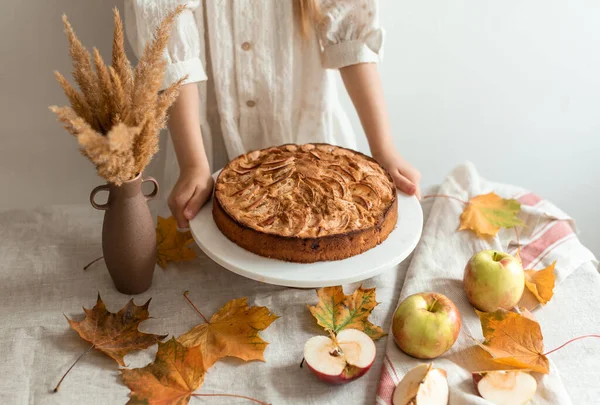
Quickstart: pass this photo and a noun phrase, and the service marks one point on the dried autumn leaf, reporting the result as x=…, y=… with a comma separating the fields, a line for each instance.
x=172, y=246
x=232, y=331
x=541, y=283
x=486, y=214
x=115, y=334
x=337, y=311
x=514, y=340
x=177, y=371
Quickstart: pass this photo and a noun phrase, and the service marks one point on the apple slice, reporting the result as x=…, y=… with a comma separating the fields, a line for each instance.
x=341, y=358
x=505, y=387
x=423, y=385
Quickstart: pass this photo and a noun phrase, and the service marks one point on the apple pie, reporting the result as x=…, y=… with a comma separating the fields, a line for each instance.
x=305, y=203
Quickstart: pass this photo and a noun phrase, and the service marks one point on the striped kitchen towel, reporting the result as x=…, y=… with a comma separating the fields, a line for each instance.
x=548, y=235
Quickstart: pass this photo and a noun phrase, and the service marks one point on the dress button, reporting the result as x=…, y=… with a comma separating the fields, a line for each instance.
x=246, y=46
x=250, y=103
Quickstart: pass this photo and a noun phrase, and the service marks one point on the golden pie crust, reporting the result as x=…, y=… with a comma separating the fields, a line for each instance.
x=305, y=203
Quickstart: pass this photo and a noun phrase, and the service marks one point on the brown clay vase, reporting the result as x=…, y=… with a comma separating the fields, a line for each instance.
x=128, y=234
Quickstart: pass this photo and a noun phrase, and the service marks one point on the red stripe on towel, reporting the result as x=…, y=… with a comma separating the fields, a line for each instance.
x=539, y=259
x=529, y=199
x=386, y=387
x=391, y=366
x=556, y=232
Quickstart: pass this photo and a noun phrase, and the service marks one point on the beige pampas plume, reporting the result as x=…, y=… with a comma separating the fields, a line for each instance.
x=120, y=63
x=148, y=74
x=119, y=97
x=105, y=92
x=112, y=154
x=146, y=144
x=83, y=72
x=73, y=123
x=118, y=113
x=166, y=99
x=76, y=99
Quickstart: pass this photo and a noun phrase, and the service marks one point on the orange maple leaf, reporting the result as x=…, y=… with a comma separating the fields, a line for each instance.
x=171, y=245
x=171, y=379
x=336, y=311
x=177, y=371
x=232, y=331
x=541, y=283
x=115, y=334
x=514, y=340
x=486, y=214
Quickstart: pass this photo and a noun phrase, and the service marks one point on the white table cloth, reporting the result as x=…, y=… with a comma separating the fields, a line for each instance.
x=41, y=257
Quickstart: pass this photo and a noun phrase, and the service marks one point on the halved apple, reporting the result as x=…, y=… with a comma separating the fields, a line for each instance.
x=510, y=387
x=423, y=385
x=341, y=358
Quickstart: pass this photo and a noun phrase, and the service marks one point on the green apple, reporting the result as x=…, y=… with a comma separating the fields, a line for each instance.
x=494, y=280
x=426, y=325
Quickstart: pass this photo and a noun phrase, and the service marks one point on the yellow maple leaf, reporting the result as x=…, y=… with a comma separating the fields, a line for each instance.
x=541, y=283
x=172, y=246
x=485, y=214
x=336, y=311
x=232, y=331
x=172, y=378
x=514, y=340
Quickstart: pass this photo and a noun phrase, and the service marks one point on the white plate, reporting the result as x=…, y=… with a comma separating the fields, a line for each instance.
x=399, y=244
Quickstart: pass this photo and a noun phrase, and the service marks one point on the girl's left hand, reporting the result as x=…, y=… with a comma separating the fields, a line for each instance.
x=405, y=176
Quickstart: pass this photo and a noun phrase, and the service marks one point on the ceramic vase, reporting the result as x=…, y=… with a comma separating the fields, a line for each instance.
x=128, y=234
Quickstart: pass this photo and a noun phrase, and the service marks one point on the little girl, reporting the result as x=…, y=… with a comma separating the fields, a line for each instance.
x=260, y=74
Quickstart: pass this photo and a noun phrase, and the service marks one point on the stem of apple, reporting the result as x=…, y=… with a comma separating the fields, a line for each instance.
x=72, y=365
x=185, y=295
x=92, y=262
x=338, y=350
x=444, y=196
x=570, y=341
x=430, y=307
x=232, y=396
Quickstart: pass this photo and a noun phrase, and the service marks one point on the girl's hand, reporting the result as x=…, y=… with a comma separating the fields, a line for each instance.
x=189, y=194
x=405, y=176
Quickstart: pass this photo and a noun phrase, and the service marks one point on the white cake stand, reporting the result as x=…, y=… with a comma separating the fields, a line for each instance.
x=399, y=244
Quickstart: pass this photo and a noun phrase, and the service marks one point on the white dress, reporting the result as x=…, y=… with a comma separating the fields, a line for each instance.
x=261, y=84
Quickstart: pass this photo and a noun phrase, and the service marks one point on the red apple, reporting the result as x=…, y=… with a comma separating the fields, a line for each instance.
x=423, y=385
x=494, y=280
x=501, y=387
x=347, y=358
x=426, y=325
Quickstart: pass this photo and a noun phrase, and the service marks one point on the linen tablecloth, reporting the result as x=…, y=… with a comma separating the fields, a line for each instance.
x=41, y=257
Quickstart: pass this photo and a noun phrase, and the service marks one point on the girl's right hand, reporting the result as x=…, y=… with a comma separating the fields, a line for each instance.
x=190, y=193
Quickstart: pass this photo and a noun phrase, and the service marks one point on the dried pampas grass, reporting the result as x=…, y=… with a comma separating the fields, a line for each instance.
x=119, y=112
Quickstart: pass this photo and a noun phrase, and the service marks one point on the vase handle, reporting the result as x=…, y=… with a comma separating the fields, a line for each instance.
x=155, y=191
x=102, y=207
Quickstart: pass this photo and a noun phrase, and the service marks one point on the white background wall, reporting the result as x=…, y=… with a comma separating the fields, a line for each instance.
x=513, y=86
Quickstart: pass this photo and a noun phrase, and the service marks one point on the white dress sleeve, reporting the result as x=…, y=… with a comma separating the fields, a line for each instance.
x=349, y=32
x=183, y=50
